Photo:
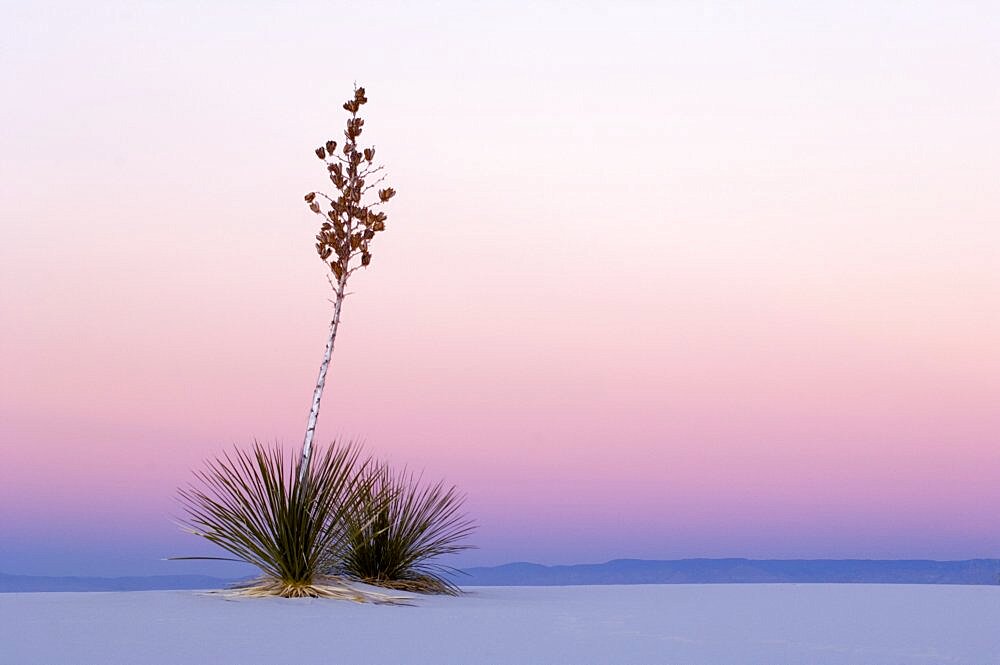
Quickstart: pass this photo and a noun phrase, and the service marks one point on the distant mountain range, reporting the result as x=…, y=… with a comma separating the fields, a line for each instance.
x=619, y=571
x=739, y=571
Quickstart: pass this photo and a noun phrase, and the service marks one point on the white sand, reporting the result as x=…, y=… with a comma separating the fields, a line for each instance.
x=677, y=624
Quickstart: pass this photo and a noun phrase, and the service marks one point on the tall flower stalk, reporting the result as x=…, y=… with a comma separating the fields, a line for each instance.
x=351, y=218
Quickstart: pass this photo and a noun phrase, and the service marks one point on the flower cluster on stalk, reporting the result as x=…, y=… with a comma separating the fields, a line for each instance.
x=349, y=224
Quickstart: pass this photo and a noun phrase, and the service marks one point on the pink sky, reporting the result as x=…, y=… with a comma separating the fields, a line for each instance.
x=659, y=282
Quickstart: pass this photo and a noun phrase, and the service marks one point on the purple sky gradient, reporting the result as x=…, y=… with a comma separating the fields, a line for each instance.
x=661, y=280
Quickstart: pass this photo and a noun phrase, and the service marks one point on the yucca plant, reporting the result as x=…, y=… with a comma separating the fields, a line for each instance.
x=293, y=528
x=350, y=219
x=399, y=527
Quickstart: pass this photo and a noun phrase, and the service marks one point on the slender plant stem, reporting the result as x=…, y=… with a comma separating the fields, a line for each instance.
x=321, y=381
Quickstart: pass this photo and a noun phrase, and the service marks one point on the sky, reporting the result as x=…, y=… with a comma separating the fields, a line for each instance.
x=662, y=279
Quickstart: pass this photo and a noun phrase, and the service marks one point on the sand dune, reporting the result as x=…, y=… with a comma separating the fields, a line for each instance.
x=731, y=624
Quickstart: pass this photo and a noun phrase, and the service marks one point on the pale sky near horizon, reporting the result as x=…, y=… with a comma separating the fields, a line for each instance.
x=662, y=279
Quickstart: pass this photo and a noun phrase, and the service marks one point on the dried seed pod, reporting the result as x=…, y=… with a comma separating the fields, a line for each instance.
x=348, y=225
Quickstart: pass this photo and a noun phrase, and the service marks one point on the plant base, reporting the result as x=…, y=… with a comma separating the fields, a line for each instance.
x=326, y=587
x=419, y=585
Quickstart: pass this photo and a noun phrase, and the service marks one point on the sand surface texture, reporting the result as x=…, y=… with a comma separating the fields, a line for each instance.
x=675, y=624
